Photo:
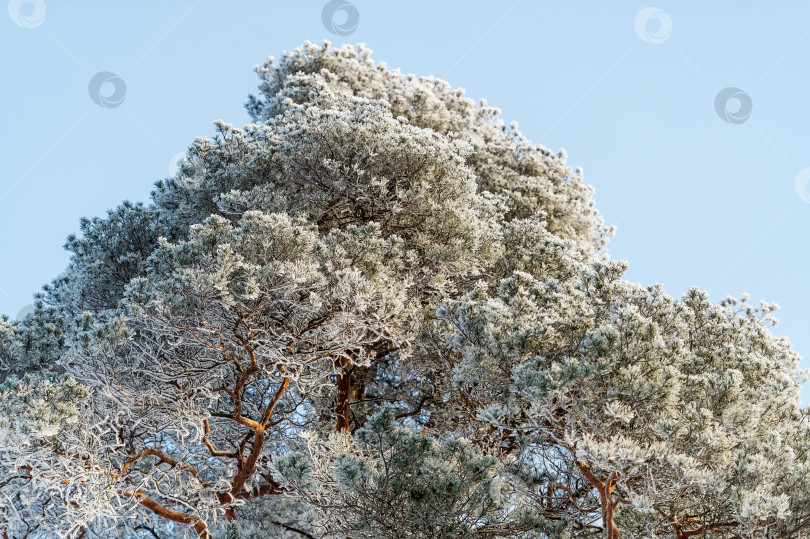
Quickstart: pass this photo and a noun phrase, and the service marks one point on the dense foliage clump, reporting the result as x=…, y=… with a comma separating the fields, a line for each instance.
x=377, y=311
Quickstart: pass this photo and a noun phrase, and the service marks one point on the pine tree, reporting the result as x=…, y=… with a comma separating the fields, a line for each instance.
x=379, y=311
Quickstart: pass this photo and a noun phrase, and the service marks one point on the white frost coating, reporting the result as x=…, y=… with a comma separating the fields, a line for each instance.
x=379, y=311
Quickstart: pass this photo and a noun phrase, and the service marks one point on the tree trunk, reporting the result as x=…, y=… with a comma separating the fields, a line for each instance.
x=605, y=489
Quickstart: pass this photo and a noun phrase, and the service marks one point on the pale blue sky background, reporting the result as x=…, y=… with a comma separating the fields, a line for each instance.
x=696, y=200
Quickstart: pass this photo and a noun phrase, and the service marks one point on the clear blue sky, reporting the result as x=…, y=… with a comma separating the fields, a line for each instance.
x=697, y=200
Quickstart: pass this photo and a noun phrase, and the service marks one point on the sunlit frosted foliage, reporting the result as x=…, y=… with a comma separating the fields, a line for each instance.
x=378, y=311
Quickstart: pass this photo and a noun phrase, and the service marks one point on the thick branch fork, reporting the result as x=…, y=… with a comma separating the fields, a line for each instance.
x=605, y=489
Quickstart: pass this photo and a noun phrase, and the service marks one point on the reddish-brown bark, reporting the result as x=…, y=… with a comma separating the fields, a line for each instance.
x=605, y=489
